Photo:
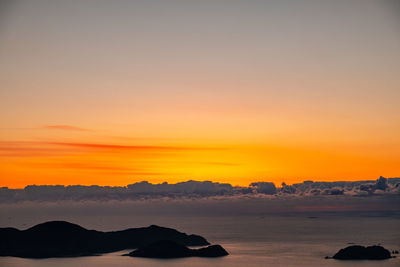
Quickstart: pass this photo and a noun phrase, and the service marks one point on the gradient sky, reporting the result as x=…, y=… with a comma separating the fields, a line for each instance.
x=114, y=92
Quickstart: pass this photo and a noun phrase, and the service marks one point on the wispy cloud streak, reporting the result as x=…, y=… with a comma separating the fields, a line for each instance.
x=66, y=127
x=129, y=147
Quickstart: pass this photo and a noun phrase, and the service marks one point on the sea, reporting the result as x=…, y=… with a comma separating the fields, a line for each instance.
x=301, y=238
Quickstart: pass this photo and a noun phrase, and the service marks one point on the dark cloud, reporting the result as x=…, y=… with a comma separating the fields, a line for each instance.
x=264, y=187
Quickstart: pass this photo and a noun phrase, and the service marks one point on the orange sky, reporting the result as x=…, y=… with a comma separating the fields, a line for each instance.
x=225, y=91
x=72, y=155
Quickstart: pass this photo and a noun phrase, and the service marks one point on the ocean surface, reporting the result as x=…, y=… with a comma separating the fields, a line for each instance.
x=276, y=239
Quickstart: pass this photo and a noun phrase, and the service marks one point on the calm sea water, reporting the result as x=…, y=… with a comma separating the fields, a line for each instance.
x=291, y=239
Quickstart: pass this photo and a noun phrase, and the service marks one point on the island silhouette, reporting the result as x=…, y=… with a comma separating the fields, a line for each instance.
x=64, y=239
x=356, y=252
x=170, y=249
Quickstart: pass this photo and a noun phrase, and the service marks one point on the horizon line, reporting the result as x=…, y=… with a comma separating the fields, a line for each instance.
x=202, y=181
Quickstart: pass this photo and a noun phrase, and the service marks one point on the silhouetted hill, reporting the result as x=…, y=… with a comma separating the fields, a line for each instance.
x=362, y=253
x=64, y=239
x=169, y=249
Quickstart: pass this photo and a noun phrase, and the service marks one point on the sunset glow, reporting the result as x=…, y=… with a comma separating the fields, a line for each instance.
x=122, y=161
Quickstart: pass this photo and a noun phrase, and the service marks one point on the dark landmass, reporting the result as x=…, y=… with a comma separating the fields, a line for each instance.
x=144, y=190
x=363, y=253
x=168, y=249
x=64, y=239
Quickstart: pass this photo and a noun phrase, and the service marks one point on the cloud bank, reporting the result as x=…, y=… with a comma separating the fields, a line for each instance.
x=197, y=189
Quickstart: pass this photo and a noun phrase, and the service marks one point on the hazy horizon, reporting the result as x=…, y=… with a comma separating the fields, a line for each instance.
x=165, y=181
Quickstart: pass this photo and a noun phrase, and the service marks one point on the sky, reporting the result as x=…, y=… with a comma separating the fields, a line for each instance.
x=115, y=92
